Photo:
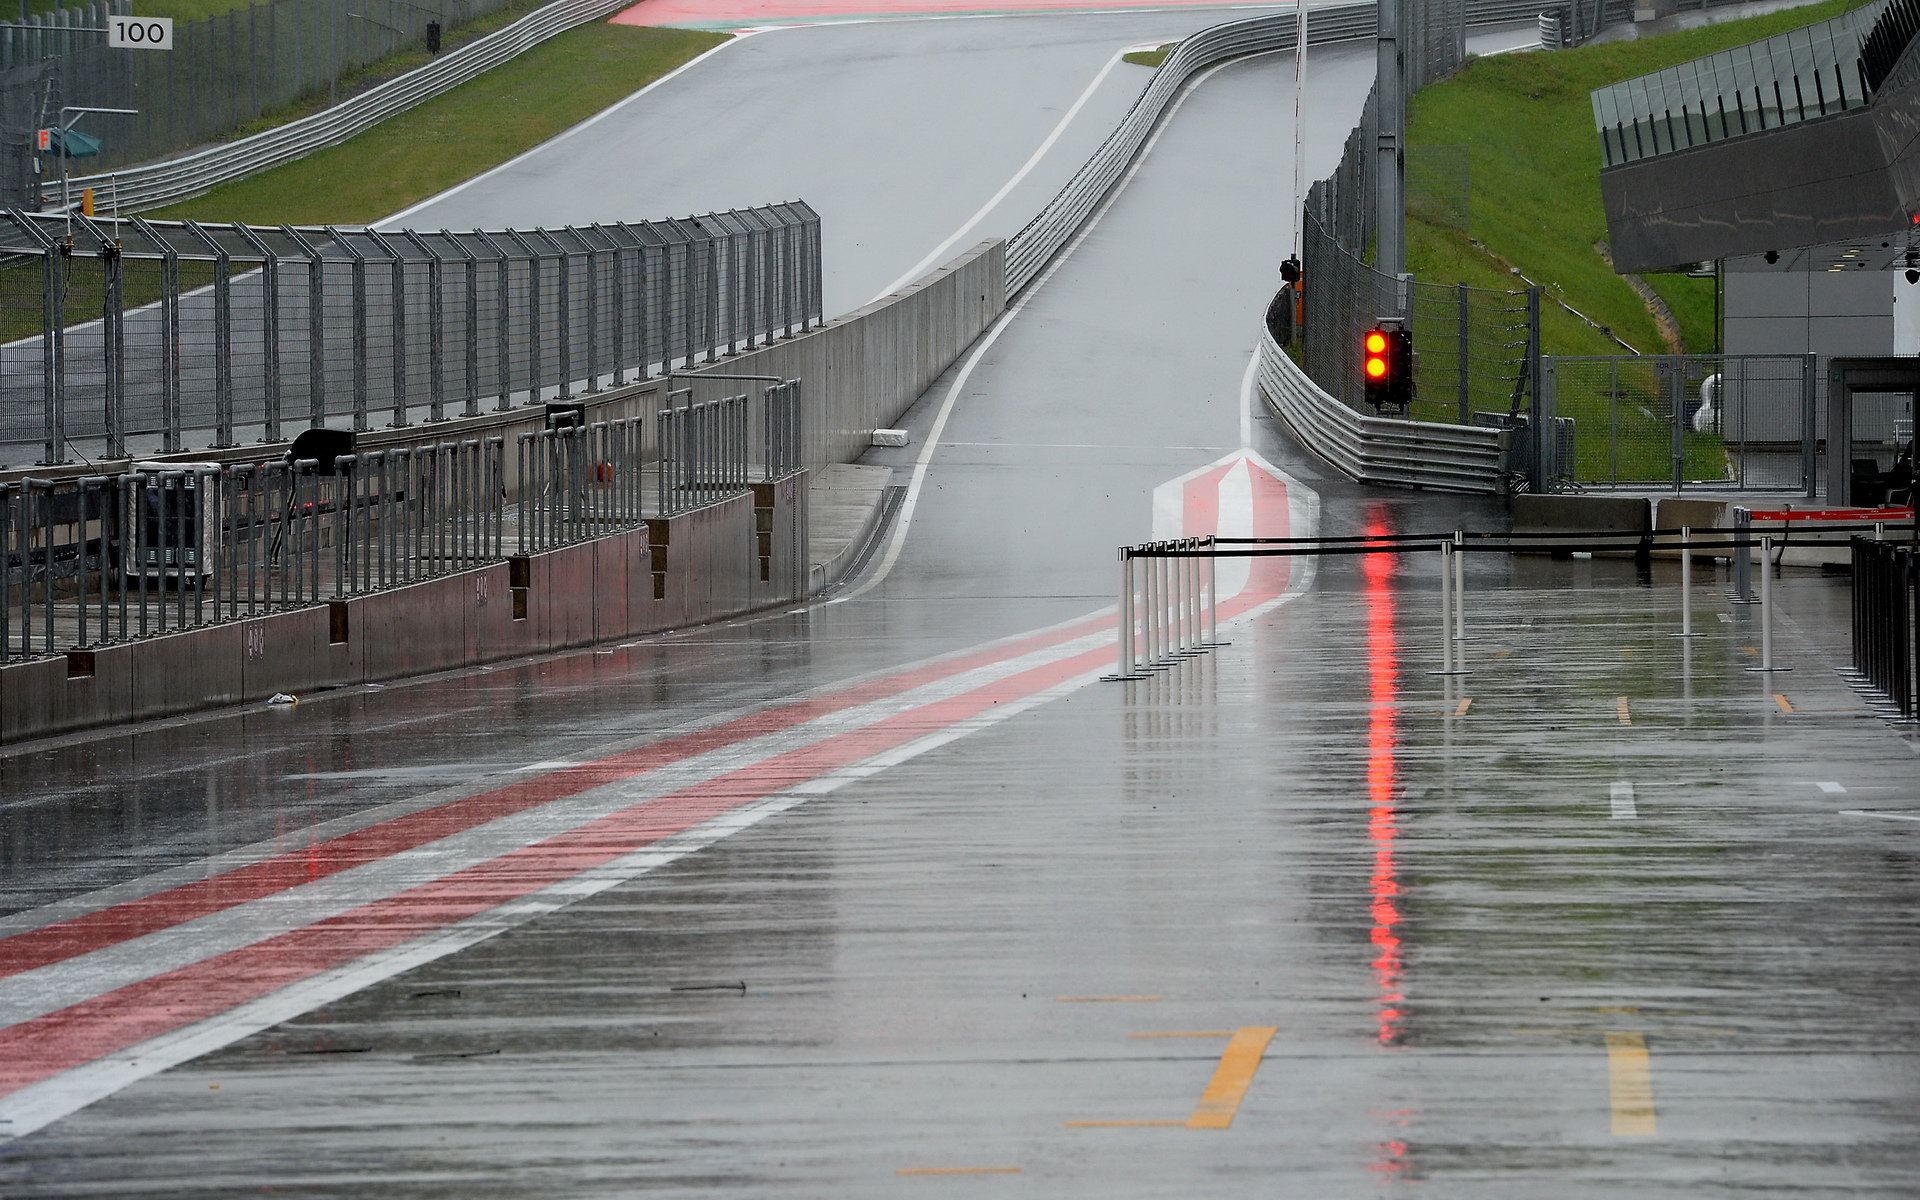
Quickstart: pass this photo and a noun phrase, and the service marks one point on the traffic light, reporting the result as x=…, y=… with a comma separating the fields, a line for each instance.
x=1386, y=366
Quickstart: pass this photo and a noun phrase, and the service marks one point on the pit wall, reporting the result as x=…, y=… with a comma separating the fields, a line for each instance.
x=859, y=372
x=743, y=553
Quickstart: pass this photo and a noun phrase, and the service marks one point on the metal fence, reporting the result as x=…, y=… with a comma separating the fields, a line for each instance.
x=129, y=337
x=1681, y=421
x=1886, y=623
x=1474, y=345
x=171, y=546
x=223, y=71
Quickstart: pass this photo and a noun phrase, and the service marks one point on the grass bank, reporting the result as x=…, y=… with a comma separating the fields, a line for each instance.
x=478, y=125
x=1534, y=165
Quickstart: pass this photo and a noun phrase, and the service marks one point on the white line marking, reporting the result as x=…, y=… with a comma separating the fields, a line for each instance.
x=904, y=520
x=595, y=119
x=1623, y=806
x=937, y=254
x=1885, y=816
x=1831, y=788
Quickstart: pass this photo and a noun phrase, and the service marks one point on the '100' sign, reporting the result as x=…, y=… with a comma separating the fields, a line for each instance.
x=140, y=33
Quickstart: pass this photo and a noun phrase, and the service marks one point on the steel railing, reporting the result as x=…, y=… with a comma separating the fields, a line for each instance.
x=127, y=337
x=164, y=547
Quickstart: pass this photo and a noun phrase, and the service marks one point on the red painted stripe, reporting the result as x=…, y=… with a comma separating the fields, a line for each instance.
x=774, y=12
x=1268, y=575
x=39, y=1049
x=131, y=919
x=1200, y=505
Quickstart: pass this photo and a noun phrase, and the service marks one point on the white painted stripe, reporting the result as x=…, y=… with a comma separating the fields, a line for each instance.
x=1885, y=816
x=1831, y=788
x=394, y=220
x=904, y=520
x=1623, y=804
x=938, y=253
x=58, y=985
x=39, y=1105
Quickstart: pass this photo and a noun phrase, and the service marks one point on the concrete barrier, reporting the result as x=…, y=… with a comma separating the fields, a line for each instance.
x=1677, y=512
x=1629, y=516
x=718, y=561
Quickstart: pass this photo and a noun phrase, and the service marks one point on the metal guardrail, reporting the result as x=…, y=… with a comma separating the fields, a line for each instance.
x=1035, y=245
x=169, y=546
x=1030, y=250
x=150, y=185
x=1454, y=458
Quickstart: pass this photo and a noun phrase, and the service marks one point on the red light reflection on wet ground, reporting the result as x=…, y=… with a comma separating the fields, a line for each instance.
x=1383, y=741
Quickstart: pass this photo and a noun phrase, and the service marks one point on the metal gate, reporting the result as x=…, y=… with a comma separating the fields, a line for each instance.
x=1743, y=421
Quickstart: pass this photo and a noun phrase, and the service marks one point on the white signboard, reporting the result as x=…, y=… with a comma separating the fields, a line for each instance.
x=140, y=33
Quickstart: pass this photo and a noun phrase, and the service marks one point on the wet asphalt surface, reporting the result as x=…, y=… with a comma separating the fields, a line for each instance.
x=1613, y=915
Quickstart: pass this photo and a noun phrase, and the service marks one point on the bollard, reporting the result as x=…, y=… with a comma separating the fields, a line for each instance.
x=1460, y=594
x=1742, y=592
x=1447, y=648
x=1686, y=585
x=1766, y=608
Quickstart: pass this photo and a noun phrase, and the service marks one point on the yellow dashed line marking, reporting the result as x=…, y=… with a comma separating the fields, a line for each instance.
x=1781, y=700
x=1231, y=1079
x=1465, y=704
x=1109, y=999
x=1630, y=1082
x=958, y=1171
x=1626, y=712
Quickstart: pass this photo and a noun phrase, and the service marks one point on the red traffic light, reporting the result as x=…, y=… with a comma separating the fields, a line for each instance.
x=1386, y=368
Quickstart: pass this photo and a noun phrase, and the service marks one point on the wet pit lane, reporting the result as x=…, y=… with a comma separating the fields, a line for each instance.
x=892, y=896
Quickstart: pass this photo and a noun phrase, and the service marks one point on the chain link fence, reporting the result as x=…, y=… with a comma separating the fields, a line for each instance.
x=1686, y=421
x=139, y=337
x=1474, y=347
x=222, y=72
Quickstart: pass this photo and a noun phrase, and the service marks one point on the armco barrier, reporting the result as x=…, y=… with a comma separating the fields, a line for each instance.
x=1452, y=458
x=1029, y=251
x=151, y=185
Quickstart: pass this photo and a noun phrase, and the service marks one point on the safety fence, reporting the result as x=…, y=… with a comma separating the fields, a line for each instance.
x=170, y=545
x=1886, y=624
x=1169, y=601
x=1476, y=346
x=225, y=71
x=1744, y=421
x=128, y=337
x=1434, y=44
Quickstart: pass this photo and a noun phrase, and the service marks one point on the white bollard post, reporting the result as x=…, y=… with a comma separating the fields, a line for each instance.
x=1126, y=614
x=1766, y=608
x=1446, y=609
x=1460, y=595
x=1686, y=584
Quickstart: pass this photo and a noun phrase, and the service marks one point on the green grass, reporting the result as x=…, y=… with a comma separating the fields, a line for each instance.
x=1148, y=58
x=1527, y=121
x=476, y=126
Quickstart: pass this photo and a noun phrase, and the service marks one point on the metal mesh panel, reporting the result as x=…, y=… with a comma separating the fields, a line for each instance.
x=1471, y=344
x=150, y=336
x=1720, y=421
